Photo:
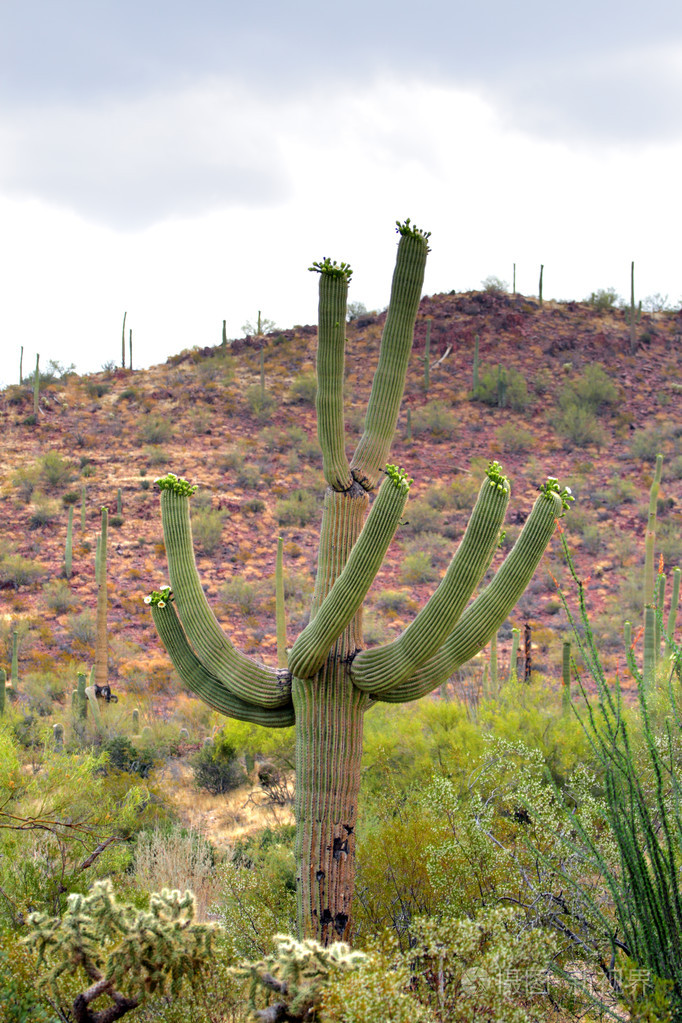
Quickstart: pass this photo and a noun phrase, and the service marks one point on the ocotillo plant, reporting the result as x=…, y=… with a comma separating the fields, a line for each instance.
x=331, y=680
x=21, y=367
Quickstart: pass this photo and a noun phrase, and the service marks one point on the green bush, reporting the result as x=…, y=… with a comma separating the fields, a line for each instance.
x=216, y=767
x=593, y=390
x=303, y=388
x=514, y=438
x=420, y=517
x=55, y=470
x=155, y=430
x=646, y=443
x=604, y=299
x=207, y=529
x=125, y=757
x=58, y=596
x=502, y=387
x=244, y=593
x=417, y=568
x=297, y=510
x=394, y=600
x=436, y=420
x=17, y=571
x=82, y=627
x=261, y=403
x=578, y=427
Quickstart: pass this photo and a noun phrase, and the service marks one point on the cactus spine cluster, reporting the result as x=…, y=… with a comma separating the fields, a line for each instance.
x=331, y=680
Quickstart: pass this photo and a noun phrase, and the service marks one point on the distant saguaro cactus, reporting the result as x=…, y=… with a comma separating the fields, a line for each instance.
x=331, y=680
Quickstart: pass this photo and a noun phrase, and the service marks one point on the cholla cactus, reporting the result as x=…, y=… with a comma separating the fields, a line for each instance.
x=126, y=953
x=296, y=974
x=331, y=680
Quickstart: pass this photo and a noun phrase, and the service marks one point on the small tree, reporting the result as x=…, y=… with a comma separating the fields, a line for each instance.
x=331, y=681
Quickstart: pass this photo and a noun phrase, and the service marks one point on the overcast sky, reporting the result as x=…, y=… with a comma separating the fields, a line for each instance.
x=185, y=162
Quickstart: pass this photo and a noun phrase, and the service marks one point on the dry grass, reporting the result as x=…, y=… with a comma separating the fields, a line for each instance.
x=224, y=819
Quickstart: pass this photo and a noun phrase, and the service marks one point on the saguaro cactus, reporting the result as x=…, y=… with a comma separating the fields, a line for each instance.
x=101, y=638
x=331, y=681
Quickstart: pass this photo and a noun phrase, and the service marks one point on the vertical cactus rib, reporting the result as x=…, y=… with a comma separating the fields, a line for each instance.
x=483, y=617
x=397, y=661
x=101, y=638
x=310, y=650
x=389, y=380
x=331, y=343
x=248, y=680
x=206, y=686
x=280, y=610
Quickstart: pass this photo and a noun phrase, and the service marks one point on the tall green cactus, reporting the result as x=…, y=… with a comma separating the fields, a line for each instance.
x=36, y=387
x=79, y=699
x=68, y=550
x=331, y=680
x=101, y=637
x=123, y=342
x=3, y=690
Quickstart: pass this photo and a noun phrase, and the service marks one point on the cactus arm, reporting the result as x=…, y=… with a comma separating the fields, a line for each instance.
x=396, y=343
x=483, y=617
x=397, y=661
x=348, y=592
x=248, y=680
x=205, y=685
x=330, y=360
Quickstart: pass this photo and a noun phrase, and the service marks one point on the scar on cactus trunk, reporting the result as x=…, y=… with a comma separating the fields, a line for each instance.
x=331, y=681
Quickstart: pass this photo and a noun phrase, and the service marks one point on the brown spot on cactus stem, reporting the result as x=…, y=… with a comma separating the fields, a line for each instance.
x=326, y=918
x=348, y=829
x=320, y=875
x=340, y=847
x=340, y=921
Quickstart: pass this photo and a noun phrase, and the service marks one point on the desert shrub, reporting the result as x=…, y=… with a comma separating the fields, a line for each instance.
x=300, y=508
x=436, y=420
x=123, y=756
x=394, y=600
x=43, y=511
x=247, y=475
x=97, y=388
x=244, y=593
x=207, y=528
x=503, y=387
x=82, y=627
x=417, y=568
x=218, y=367
x=593, y=389
x=515, y=438
x=22, y=1000
x=646, y=443
x=494, y=285
x=175, y=858
x=216, y=767
x=156, y=455
x=463, y=491
x=420, y=517
x=55, y=470
x=459, y=965
x=303, y=388
x=261, y=403
x=604, y=299
x=25, y=480
x=620, y=490
x=155, y=430
x=578, y=426
x=58, y=596
x=17, y=571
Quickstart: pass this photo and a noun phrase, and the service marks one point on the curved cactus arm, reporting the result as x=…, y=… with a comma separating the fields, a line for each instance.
x=331, y=343
x=345, y=598
x=248, y=680
x=206, y=686
x=483, y=617
x=396, y=343
x=389, y=665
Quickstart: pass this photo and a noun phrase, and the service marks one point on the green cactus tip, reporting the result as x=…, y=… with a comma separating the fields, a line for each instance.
x=406, y=228
x=332, y=269
x=179, y=486
x=497, y=477
x=552, y=487
x=399, y=477
x=159, y=598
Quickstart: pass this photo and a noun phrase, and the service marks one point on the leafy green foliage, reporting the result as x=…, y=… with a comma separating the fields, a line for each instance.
x=502, y=387
x=216, y=766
